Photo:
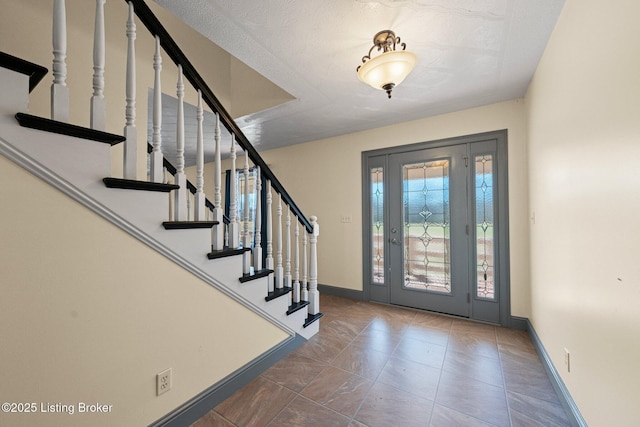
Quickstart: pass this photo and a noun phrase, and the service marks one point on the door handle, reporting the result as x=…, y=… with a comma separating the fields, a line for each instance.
x=394, y=241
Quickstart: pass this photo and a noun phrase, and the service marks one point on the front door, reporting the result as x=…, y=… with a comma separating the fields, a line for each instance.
x=434, y=233
x=429, y=257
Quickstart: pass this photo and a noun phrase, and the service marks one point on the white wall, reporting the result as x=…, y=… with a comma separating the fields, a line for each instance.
x=324, y=178
x=90, y=314
x=584, y=144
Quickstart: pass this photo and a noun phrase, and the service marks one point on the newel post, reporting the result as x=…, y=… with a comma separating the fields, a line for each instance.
x=59, y=89
x=314, y=296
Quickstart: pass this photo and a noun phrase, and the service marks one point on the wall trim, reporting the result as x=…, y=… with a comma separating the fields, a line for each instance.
x=198, y=406
x=342, y=292
x=569, y=405
x=519, y=323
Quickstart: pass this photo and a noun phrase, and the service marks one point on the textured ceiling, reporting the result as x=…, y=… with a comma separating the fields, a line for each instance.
x=470, y=53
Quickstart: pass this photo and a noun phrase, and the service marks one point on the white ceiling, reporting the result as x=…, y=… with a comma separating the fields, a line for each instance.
x=470, y=53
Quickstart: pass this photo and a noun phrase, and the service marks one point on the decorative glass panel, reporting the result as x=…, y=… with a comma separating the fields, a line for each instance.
x=426, y=224
x=377, y=222
x=485, y=286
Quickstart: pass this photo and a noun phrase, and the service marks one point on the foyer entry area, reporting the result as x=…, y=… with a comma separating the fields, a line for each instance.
x=380, y=365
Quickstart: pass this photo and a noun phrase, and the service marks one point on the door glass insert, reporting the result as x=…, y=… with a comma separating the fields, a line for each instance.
x=426, y=226
x=485, y=286
x=377, y=223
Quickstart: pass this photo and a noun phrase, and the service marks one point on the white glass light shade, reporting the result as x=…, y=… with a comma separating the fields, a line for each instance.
x=388, y=67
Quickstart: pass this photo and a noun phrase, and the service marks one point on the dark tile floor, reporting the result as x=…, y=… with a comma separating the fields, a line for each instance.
x=376, y=365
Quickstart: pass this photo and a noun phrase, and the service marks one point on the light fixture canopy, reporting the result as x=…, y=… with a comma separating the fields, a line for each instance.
x=391, y=67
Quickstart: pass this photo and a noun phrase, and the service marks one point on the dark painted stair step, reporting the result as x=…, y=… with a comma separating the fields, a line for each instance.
x=132, y=184
x=277, y=293
x=188, y=225
x=312, y=318
x=226, y=252
x=297, y=306
x=54, y=126
x=255, y=275
x=34, y=71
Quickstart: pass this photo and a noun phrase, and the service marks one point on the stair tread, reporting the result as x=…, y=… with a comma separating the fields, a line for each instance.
x=132, y=184
x=278, y=293
x=35, y=72
x=187, y=225
x=54, y=126
x=255, y=275
x=312, y=318
x=296, y=306
x=226, y=252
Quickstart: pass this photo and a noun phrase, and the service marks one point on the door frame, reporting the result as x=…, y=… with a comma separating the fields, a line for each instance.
x=380, y=157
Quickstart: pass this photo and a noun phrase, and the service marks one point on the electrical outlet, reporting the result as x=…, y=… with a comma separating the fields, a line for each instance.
x=567, y=360
x=163, y=382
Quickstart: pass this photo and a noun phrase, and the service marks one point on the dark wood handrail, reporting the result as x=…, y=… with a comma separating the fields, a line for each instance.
x=192, y=188
x=154, y=26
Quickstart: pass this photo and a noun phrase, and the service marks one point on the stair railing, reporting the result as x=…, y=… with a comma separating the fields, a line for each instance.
x=189, y=202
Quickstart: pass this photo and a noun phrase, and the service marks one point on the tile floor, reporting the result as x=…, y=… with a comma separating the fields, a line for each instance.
x=375, y=365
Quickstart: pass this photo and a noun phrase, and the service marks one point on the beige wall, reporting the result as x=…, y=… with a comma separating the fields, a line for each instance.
x=324, y=178
x=584, y=145
x=90, y=314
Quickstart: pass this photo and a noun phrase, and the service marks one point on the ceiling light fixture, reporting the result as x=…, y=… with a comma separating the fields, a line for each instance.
x=391, y=67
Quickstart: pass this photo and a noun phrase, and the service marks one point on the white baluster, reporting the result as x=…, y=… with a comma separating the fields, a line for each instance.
x=314, y=296
x=218, y=215
x=257, y=246
x=279, y=269
x=287, y=263
x=189, y=205
x=130, y=132
x=156, y=139
x=180, y=195
x=305, y=291
x=234, y=226
x=246, y=243
x=59, y=89
x=200, y=199
x=296, y=274
x=98, y=112
x=269, y=259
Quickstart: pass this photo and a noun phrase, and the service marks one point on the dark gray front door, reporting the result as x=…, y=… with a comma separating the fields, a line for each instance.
x=428, y=232
x=436, y=226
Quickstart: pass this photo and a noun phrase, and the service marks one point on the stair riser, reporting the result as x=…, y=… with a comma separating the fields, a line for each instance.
x=15, y=91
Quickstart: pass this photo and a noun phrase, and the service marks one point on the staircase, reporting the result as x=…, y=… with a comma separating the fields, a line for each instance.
x=166, y=212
